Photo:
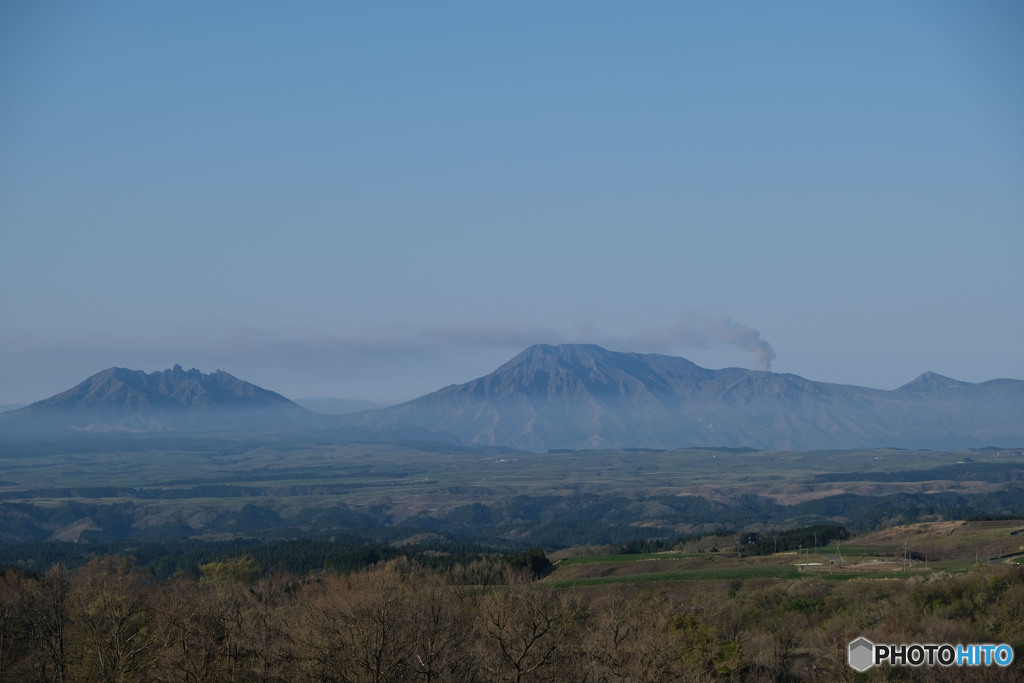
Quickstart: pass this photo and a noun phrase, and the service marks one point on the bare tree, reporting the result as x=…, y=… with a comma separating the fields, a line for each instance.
x=115, y=641
x=266, y=634
x=191, y=632
x=626, y=640
x=14, y=625
x=358, y=628
x=438, y=631
x=527, y=631
x=227, y=627
x=49, y=626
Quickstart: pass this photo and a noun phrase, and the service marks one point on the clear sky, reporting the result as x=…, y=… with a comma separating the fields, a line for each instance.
x=376, y=199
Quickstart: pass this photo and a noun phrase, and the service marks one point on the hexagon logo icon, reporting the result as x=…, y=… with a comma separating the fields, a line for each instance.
x=861, y=654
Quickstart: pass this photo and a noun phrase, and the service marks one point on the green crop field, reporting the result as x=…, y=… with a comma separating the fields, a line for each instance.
x=876, y=555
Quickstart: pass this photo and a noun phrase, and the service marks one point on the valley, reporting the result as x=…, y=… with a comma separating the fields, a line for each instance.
x=166, y=488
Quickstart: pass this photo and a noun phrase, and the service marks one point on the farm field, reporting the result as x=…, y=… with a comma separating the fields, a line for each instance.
x=921, y=550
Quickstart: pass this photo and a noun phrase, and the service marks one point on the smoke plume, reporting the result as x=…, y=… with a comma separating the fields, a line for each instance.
x=699, y=331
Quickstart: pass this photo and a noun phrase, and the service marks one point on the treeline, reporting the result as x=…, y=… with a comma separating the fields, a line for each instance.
x=810, y=537
x=585, y=519
x=549, y=521
x=342, y=554
x=351, y=552
x=968, y=470
x=487, y=619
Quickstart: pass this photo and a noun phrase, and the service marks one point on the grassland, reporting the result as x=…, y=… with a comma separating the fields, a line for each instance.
x=901, y=552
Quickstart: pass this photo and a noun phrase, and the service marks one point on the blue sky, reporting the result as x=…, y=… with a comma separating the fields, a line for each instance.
x=374, y=200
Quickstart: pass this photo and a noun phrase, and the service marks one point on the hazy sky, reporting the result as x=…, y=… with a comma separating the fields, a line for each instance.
x=376, y=199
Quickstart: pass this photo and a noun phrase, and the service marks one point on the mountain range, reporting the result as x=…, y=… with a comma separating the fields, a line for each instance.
x=577, y=396
x=572, y=396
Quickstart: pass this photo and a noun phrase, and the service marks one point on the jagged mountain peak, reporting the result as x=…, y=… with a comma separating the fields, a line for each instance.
x=121, y=399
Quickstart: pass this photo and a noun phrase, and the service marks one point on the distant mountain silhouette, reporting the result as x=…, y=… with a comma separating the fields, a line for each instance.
x=176, y=400
x=569, y=396
x=584, y=396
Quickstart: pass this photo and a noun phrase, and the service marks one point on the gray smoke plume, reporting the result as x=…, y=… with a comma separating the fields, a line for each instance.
x=699, y=331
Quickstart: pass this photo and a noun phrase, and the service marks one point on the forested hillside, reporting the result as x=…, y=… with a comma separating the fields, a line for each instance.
x=484, y=620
